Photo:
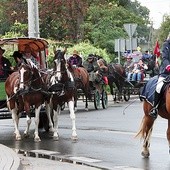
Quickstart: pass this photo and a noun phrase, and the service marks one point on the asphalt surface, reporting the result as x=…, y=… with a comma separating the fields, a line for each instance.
x=30, y=160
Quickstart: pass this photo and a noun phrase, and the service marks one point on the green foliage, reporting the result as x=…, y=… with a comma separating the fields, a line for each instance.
x=105, y=23
x=164, y=29
x=2, y=90
x=98, y=21
x=86, y=48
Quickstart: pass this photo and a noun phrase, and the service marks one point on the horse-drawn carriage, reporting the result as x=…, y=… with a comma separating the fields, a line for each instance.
x=89, y=90
x=125, y=87
x=38, y=46
x=97, y=94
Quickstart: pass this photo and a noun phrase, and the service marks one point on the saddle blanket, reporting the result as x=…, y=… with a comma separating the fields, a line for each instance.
x=148, y=90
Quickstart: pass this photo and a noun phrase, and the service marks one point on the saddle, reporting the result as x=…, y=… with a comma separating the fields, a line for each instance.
x=148, y=90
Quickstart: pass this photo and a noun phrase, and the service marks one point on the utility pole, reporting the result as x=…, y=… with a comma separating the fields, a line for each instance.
x=150, y=41
x=33, y=19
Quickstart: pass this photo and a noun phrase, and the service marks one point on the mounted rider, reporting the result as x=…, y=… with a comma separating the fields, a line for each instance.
x=164, y=71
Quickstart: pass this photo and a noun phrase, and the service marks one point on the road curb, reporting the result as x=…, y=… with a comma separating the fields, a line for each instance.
x=55, y=156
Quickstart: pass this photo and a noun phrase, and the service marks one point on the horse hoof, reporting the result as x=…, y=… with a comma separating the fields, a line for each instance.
x=18, y=138
x=55, y=138
x=26, y=135
x=145, y=154
x=74, y=138
x=37, y=139
x=86, y=109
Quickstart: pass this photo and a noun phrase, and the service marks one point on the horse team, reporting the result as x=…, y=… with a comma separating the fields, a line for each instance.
x=30, y=88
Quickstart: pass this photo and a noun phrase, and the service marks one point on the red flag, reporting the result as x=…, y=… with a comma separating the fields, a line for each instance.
x=157, y=50
x=157, y=53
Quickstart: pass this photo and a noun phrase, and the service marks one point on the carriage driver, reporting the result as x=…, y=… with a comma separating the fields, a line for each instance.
x=164, y=71
x=129, y=66
x=75, y=59
x=28, y=55
x=91, y=66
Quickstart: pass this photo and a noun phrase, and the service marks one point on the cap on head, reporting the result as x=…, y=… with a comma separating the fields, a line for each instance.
x=90, y=56
x=2, y=50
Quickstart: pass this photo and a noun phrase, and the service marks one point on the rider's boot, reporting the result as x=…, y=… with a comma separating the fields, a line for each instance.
x=154, y=111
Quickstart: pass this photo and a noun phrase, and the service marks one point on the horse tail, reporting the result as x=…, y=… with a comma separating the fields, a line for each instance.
x=141, y=132
x=145, y=129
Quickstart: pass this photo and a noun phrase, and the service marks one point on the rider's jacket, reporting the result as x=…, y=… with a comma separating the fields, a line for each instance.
x=165, y=58
x=91, y=66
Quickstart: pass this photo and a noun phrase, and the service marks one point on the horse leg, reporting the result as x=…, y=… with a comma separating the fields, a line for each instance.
x=87, y=95
x=55, y=119
x=26, y=132
x=86, y=104
x=145, y=132
x=168, y=134
x=37, y=119
x=48, y=112
x=111, y=91
x=28, y=118
x=73, y=117
x=75, y=102
x=16, y=122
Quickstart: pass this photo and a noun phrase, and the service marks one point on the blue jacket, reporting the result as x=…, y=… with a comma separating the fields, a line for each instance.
x=165, y=58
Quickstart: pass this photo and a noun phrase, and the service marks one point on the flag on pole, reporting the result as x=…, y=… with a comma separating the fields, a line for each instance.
x=157, y=52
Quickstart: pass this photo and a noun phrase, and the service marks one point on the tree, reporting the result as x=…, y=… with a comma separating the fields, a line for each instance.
x=164, y=30
x=12, y=11
x=104, y=23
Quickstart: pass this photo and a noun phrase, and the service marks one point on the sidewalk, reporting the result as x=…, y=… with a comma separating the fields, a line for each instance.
x=10, y=160
x=32, y=163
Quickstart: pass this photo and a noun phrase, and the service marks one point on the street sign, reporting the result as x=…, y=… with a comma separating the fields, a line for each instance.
x=130, y=29
x=120, y=45
x=131, y=44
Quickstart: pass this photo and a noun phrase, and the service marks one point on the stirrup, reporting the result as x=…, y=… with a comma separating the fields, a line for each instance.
x=154, y=112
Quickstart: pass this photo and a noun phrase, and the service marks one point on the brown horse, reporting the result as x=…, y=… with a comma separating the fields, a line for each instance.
x=117, y=75
x=23, y=89
x=61, y=86
x=81, y=78
x=147, y=121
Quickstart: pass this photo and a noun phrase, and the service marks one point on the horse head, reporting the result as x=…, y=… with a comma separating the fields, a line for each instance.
x=25, y=76
x=29, y=76
x=60, y=75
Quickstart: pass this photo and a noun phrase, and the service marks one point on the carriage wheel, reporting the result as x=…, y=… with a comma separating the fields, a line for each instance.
x=97, y=100
x=126, y=94
x=104, y=99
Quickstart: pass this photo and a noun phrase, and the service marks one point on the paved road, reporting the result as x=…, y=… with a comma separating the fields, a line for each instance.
x=106, y=139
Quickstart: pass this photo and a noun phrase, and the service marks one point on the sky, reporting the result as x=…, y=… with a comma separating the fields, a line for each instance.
x=158, y=8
